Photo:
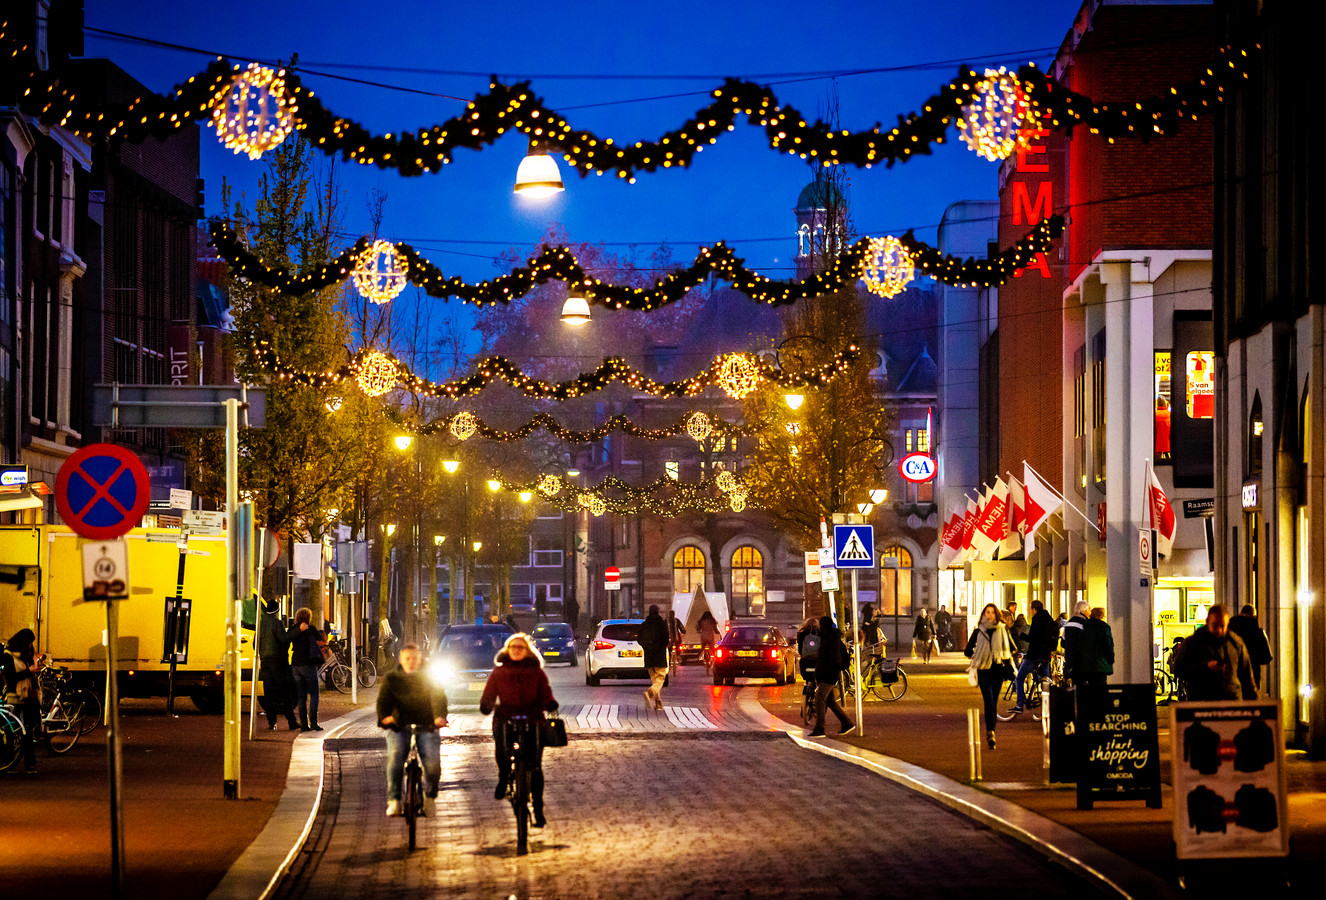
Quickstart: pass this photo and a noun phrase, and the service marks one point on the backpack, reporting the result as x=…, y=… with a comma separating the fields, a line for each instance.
x=810, y=647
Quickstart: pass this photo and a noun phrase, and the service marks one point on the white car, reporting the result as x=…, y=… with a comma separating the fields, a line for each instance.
x=614, y=652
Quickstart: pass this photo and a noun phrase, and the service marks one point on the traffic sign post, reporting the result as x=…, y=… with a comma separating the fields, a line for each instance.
x=854, y=548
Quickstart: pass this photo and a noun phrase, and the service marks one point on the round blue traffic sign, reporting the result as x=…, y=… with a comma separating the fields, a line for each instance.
x=102, y=491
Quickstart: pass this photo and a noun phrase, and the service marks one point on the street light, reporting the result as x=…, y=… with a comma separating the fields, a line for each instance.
x=478, y=545
x=864, y=508
x=439, y=539
x=575, y=311
x=572, y=473
x=879, y=495
x=403, y=441
x=494, y=485
x=451, y=465
x=794, y=401
x=526, y=496
x=538, y=177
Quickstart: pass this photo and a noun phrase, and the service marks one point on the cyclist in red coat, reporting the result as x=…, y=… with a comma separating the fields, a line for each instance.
x=517, y=686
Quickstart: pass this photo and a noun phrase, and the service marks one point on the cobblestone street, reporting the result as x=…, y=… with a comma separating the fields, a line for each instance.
x=686, y=814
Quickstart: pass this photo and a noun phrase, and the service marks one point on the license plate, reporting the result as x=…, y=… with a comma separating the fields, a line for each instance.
x=630, y=653
x=748, y=653
x=552, y=653
x=477, y=686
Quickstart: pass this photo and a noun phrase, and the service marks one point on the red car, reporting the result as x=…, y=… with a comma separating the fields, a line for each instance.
x=754, y=651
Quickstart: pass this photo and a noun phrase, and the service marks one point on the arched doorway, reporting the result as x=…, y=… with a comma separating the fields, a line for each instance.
x=687, y=570
x=747, y=581
x=895, y=595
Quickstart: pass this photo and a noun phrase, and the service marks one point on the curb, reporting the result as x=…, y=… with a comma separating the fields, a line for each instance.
x=262, y=864
x=1083, y=857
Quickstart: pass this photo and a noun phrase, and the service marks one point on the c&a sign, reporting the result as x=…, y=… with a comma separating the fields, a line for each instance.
x=917, y=467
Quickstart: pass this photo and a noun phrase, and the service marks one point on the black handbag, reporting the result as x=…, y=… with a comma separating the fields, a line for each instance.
x=552, y=732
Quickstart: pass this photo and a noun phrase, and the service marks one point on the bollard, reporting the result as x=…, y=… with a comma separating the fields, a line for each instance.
x=974, y=742
x=1045, y=728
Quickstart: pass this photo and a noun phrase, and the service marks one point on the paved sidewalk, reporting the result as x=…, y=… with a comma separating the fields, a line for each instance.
x=928, y=728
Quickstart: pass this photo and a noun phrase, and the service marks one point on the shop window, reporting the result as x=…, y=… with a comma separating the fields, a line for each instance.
x=687, y=570
x=747, y=579
x=895, y=581
x=1162, y=399
x=909, y=446
x=1199, y=369
x=1255, y=429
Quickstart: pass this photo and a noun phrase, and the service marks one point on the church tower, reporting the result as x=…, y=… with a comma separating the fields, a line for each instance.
x=820, y=206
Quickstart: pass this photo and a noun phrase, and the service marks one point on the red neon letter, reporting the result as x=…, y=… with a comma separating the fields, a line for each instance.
x=1022, y=201
x=1029, y=150
x=1039, y=263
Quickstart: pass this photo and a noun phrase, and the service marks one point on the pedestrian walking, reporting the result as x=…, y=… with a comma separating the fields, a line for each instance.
x=808, y=647
x=22, y=690
x=830, y=664
x=1214, y=663
x=305, y=658
x=278, y=685
x=571, y=612
x=653, y=639
x=944, y=628
x=517, y=686
x=923, y=633
x=1259, y=649
x=1042, y=637
x=406, y=697
x=540, y=608
x=1095, y=660
x=990, y=649
x=1072, y=638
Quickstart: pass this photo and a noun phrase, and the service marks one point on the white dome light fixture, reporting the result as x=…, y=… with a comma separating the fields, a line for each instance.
x=538, y=176
x=575, y=311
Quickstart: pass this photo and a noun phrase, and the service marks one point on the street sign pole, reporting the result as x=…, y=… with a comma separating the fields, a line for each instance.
x=856, y=630
x=172, y=631
x=230, y=769
x=113, y=749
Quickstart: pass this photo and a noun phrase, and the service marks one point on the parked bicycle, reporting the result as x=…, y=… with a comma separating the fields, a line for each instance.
x=368, y=670
x=522, y=735
x=81, y=705
x=12, y=733
x=881, y=677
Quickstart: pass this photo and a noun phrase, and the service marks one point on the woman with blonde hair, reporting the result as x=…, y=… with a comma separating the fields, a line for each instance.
x=517, y=686
x=990, y=650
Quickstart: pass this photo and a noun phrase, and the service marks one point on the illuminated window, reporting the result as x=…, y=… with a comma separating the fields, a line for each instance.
x=1200, y=369
x=1162, y=401
x=895, y=581
x=1255, y=429
x=747, y=579
x=909, y=440
x=672, y=469
x=923, y=440
x=687, y=570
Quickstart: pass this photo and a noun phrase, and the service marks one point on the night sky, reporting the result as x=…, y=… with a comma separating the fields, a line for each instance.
x=739, y=190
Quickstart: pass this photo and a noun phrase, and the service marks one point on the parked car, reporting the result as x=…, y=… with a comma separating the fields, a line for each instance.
x=754, y=651
x=555, y=643
x=614, y=652
x=464, y=657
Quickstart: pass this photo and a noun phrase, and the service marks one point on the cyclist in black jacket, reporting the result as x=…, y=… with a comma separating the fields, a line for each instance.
x=409, y=697
x=1042, y=636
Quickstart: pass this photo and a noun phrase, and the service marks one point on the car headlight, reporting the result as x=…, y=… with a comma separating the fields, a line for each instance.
x=439, y=672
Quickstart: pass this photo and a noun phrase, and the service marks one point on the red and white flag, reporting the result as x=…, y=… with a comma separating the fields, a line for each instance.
x=1161, y=515
x=968, y=530
x=992, y=526
x=1017, y=506
x=950, y=545
x=1041, y=501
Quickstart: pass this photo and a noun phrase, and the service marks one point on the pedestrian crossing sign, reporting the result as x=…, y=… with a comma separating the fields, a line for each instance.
x=854, y=546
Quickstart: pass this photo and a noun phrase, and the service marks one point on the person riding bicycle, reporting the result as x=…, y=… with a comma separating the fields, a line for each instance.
x=518, y=686
x=676, y=634
x=409, y=697
x=1042, y=636
x=709, y=632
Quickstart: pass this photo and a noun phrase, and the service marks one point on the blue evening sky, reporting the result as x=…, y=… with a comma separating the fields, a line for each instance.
x=739, y=190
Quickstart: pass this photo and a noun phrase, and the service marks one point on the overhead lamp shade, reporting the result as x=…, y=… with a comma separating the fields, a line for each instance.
x=494, y=484
x=478, y=545
x=451, y=465
x=879, y=495
x=794, y=401
x=526, y=496
x=439, y=539
x=864, y=508
x=573, y=472
x=403, y=442
x=575, y=311
x=538, y=176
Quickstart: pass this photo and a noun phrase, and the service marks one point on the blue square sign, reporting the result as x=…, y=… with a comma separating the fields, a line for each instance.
x=854, y=546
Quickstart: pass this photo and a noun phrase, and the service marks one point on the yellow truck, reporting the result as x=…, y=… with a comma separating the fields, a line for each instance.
x=41, y=587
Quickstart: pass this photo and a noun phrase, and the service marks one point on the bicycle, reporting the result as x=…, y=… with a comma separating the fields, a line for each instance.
x=412, y=790
x=882, y=677
x=707, y=657
x=81, y=706
x=368, y=670
x=521, y=734
x=336, y=674
x=808, y=696
x=12, y=733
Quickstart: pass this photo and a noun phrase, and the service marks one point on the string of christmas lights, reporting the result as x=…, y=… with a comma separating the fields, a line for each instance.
x=277, y=102
x=664, y=497
x=464, y=425
x=378, y=372
x=860, y=260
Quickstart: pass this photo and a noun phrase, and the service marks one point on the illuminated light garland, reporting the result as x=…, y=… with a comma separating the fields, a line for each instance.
x=549, y=485
x=737, y=503
x=738, y=374
x=253, y=113
x=380, y=272
x=597, y=506
x=376, y=373
x=992, y=125
x=725, y=481
x=464, y=425
x=663, y=497
x=560, y=264
x=382, y=372
x=515, y=107
x=889, y=267
x=698, y=426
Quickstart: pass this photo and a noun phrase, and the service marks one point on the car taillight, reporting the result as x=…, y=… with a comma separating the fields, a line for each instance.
x=603, y=645
x=718, y=652
x=773, y=654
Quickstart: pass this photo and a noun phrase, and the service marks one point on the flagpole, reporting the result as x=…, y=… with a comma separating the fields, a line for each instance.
x=1045, y=481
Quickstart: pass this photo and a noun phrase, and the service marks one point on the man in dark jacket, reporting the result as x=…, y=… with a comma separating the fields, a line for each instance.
x=1095, y=658
x=653, y=639
x=1042, y=636
x=278, y=685
x=409, y=697
x=1072, y=636
x=1213, y=662
x=943, y=628
x=1259, y=650
x=829, y=666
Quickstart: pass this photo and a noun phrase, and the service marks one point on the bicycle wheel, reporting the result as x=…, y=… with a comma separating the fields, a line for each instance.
x=11, y=738
x=340, y=677
x=368, y=673
x=59, y=731
x=84, y=709
x=413, y=797
x=520, y=802
x=892, y=690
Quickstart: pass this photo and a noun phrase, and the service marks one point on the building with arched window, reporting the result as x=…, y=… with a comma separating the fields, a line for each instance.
x=687, y=570
x=747, y=581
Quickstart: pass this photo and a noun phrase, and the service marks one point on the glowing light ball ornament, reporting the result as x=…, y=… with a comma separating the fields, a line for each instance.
x=992, y=124
x=698, y=427
x=253, y=113
x=550, y=485
x=597, y=506
x=725, y=481
x=889, y=267
x=738, y=374
x=376, y=373
x=464, y=425
x=737, y=503
x=380, y=272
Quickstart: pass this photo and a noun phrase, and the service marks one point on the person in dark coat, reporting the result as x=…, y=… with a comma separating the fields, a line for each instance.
x=278, y=688
x=571, y=612
x=923, y=633
x=22, y=690
x=518, y=686
x=1072, y=638
x=808, y=649
x=944, y=628
x=653, y=639
x=829, y=666
x=1259, y=649
x=1095, y=658
x=990, y=649
x=408, y=697
x=305, y=660
x=1213, y=662
x=1042, y=637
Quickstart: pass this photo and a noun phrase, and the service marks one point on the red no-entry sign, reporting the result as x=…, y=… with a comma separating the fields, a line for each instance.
x=612, y=574
x=102, y=491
